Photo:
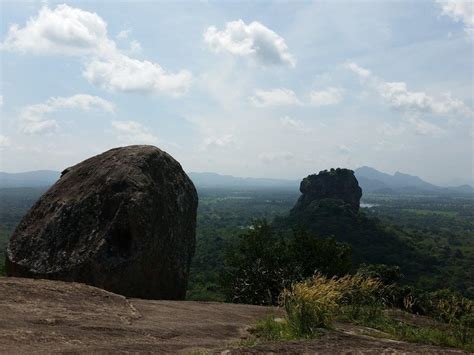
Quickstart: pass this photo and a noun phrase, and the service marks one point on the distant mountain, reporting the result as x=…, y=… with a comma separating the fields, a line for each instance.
x=203, y=180
x=372, y=180
x=207, y=180
x=398, y=180
x=38, y=178
x=464, y=189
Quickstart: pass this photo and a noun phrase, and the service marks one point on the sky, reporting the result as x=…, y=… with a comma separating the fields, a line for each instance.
x=276, y=89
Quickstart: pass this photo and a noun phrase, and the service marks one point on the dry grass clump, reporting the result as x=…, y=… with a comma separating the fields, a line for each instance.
x=315, y=303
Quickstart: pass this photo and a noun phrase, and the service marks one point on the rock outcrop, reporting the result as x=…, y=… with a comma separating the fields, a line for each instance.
x=123, y=221
x=329, y=208
x=337, y=184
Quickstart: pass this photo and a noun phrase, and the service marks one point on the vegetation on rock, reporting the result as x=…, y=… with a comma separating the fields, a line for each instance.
x=318, y=302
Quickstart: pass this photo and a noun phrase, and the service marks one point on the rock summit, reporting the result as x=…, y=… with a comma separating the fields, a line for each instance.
x=336, y=184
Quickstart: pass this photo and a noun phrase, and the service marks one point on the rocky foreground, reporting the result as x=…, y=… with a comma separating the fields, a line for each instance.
x=41, y=316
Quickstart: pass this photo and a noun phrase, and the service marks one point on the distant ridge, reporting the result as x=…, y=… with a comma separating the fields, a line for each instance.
x=40, y=178
x=207, y=180
x=370, y=179
x=37, y=178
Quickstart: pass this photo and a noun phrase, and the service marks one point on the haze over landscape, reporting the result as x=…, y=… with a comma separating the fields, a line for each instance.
x=237, y=177
x=240, y=88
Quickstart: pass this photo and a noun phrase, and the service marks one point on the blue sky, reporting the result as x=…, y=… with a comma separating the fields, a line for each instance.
x=263, y=89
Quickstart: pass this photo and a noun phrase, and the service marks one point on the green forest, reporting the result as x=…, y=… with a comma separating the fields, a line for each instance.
x=431, y=238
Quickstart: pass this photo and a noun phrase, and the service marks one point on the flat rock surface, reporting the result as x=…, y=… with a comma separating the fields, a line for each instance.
x=54, y=316
x=42, y=316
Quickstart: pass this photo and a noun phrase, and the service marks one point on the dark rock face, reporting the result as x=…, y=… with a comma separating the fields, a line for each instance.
x=337, y=184
x=124, y=221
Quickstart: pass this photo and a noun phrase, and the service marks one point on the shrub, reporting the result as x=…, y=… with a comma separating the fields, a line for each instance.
x=258, y=267
x=444, y=305
x=316, y=302
x=449, y=306
x=262, y=263
x=312, y=304
x=387, y=274
x=257, y=283
x=324, y=255
x=362, y=298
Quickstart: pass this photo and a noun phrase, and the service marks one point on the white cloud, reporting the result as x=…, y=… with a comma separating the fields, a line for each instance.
x=421, y=127
x=33, y=118
x=287, y=97
x=388, y=130
x=220, y=142
x=397, y=95
x=40, y=126
x=70, y=31
x=4, y=142
x=362, y=72
x=269, y=157
x=83, y=102
x=291, y=123
x=122, y=73
x=1, y=100
x=64, y=30
x=275, y=97
x=253, y=40
x=343, y=149
x=135, y=46
x=132, y=132
x=123, y=34
x=459, y=11
x=330, y=96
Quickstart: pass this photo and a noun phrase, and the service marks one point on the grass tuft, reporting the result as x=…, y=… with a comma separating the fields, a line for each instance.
x=315, y=304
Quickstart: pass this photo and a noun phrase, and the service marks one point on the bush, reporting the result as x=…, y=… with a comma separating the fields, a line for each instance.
x=363, y=297
x=262, y=263
x=323, y=255
x=258, y=267
x=257, y=283
x=312, y=304
x=387, y=274
x=317, y=302
x=450, y=307
x=444, y=305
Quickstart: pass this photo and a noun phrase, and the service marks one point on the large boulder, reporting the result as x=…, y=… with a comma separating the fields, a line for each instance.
x=336, y=184
x=123, y=221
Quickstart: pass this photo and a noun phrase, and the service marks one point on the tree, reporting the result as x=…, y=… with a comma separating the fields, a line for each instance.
x=262, y=263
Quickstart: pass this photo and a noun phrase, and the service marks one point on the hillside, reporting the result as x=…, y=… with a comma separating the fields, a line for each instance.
x=70, y=317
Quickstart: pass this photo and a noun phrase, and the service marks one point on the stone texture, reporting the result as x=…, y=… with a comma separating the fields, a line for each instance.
x=123, y=221
x=338, y=184
x=53, y=317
